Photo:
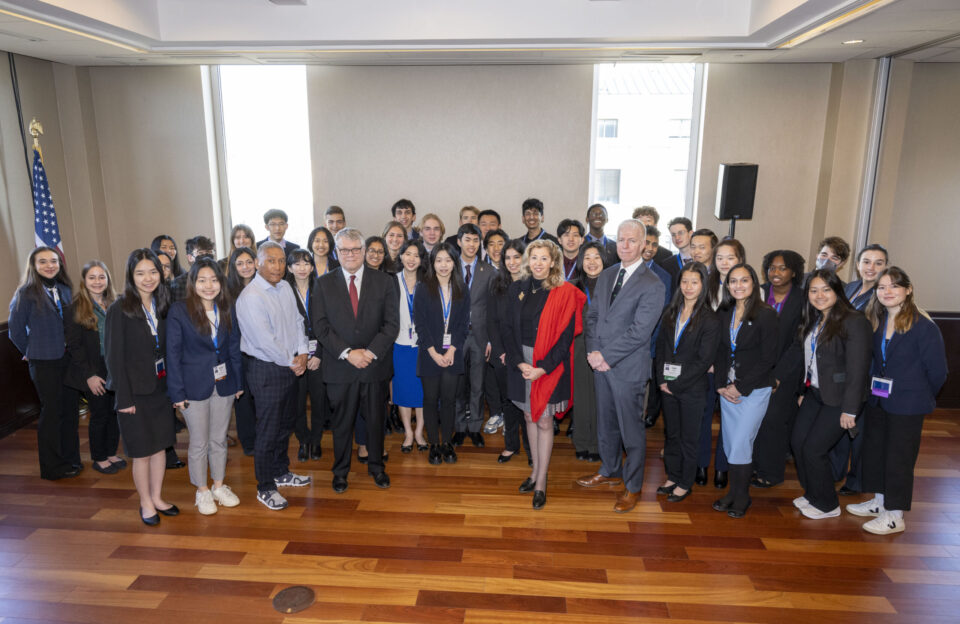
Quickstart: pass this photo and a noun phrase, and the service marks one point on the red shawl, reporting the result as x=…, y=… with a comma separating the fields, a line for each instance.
x=562, y=303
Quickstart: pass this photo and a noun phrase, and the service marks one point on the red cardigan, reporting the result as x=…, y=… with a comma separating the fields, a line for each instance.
x=562, y=303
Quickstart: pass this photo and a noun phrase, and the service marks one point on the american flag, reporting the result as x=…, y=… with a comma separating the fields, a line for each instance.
x=45, y=227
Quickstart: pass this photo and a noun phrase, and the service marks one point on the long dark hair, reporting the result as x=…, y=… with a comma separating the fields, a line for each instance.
x=130, y=303
x=385, y=264
x=317, y=231
x=457, y=287
x=155, y=247
x=299, y=255
x=675, y=307
x=195, y=305
x=833, y=328
x=235, y=283
x=503, y=279
x=421, y=251
x=713, y=281
x=31, y=286
x=753, y=303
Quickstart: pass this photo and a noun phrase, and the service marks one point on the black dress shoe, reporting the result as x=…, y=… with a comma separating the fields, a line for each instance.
x=582, y=455
x=738, y=513
x=676, y=498
x=757, y=482
x=722, y=504
x=176, y=463
x=502, y=459
x=720, y=479
x=527, y=485
x=423, y=447
x=381, y=480
x=406, y=448
x=539, y=499
x=339, y=484
x=593, y=457
x=845, y=491
x=172, y=510
x=449, y=455
x=477, y=439
x=78, y=467
x=649, y=421
x=666, y=489
x=153, y=520
x=529, y=461
x=458, y=438
x=315, y=451
x=570, y=431
x=435, y=457
x=303, y=453
x=701, y=478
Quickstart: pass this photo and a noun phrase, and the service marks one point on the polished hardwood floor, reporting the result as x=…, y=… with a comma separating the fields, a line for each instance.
x=457, y=543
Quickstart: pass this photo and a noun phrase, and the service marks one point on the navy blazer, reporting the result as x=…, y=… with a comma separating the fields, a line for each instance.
x=917, y=364
x=860, y=303
x=428, y=319
x=191, y=358
x=35, y=327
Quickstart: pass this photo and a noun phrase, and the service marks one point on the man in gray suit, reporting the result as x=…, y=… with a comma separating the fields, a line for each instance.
x=477, y=276
x=626, y=306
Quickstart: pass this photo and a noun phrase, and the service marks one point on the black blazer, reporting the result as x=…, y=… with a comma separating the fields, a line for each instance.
x=756, y=350
x=375, y=327
x=428, y=318
x=695, y=353
x=129, y=348
x=308, y=318
x=83, y=345
x=672, y=267
x=843, y=364
x=496, y=313
x=558, y=354
x=287, y=248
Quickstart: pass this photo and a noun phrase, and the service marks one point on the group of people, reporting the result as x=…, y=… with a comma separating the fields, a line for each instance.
x=416, y=332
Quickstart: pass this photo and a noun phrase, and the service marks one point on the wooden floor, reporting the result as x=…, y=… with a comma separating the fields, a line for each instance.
x=457, y=543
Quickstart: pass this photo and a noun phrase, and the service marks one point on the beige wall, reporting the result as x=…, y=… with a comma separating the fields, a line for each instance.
x=446, y=137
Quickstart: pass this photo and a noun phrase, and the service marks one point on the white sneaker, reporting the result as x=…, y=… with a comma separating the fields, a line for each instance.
x=800, y=502
x=225, y=496
x=815, y=514
x=272, y=499
x=866, y=509
x=885, y=524
x=204, y=503
x=493, y=423
x=292, y=480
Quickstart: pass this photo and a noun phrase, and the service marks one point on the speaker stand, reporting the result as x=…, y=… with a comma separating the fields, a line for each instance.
x=733, y=227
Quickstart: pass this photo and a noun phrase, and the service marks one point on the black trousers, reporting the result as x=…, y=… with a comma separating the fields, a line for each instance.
x=311, y=382
x=514, y=430
x=846, y=457
x=890, y=454
x=816, y=431
x=104, y=428
x=274, y=389
x=360, y=429
x=654, y=400
x=346, y=400
x=773, y=439
x=58, y=438
x=246, y=415
x=682, y=414
x=491, y=390
x=439, y=406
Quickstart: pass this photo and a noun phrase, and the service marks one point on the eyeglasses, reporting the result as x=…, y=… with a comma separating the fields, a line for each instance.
x=349, y=251
x=375, y=252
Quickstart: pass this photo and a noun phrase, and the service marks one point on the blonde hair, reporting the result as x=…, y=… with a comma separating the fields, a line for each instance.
x=555, y=278
x=83, y=302
x=429, y=216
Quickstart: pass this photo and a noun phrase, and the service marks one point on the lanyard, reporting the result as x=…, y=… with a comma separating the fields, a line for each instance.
x=884, y=342
x=570, y=272
x=679, y=260
x=586, y=289
x=153, y=327
x=813, y=348
x=305, y=302
x=734, y=332
x=216, y=330
x=676, y=340
x=55, y=297
x=542, y=232
x=410, y=295
x=445, y=307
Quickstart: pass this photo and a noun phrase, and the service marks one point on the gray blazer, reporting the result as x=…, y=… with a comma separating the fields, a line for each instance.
x=479, y=294
x=622, y=331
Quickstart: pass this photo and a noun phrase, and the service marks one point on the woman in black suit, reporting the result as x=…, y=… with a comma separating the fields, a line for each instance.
x=686, y=349
x=135, y=347
x=783, y=292
x=744, y=377
x=836, y=361
x=84, y=327
x=908, y=369
x=441, y=310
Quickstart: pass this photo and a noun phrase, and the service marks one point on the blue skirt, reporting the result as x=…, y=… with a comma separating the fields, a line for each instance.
x=740, y=423
x=407, y=389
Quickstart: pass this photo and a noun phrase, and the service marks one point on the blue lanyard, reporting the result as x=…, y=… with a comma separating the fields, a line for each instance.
x=216, y=330
x=410, y=295
x=306, y=304
x=734, y=332
x=884, y=342
x=153, y=328
x=676, y=340
x=56, y=300
x=586, y=289
x=679, y=260
x=542, y=232
x=570, y=272
x=445, y=307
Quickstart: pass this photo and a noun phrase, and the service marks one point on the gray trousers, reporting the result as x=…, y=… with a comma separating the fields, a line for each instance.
x=474, y=364
x=207, y=422
x=620, y=427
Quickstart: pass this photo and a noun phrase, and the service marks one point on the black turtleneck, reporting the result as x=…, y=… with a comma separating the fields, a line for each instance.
x=534, y=298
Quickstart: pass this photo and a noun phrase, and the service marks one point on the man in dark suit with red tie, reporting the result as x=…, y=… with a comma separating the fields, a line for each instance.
x=356, y=318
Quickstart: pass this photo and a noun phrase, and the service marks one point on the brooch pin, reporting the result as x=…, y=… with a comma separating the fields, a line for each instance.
x=521, y=296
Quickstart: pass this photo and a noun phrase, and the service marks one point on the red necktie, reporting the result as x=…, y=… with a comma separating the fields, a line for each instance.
x=354, y=297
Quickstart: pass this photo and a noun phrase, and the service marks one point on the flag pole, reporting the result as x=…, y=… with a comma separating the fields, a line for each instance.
x=36, y=130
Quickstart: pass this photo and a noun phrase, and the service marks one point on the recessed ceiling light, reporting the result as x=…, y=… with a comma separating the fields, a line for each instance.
x=852, y=41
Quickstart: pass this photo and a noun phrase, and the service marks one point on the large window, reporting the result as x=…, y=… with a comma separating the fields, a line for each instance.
x=267, y=145
x=651, y=107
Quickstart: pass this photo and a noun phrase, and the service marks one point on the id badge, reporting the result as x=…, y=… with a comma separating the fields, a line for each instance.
x=220, y=372
x=731, y=374
x=447, y=341
x=311, y=347
x=671, y=371
x=881, y=387
x=160, y=368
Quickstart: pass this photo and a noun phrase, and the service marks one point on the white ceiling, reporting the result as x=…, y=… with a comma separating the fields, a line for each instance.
x=164, y=32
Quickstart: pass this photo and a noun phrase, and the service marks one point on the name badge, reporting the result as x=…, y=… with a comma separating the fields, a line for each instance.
x=731, y=374
x=220, y=372
x=311, y=347
x=671, y=371
x=447, y=341
x=160, y=368
x=881, y=387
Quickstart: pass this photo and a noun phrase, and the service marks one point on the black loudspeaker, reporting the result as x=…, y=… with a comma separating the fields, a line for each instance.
x=736, y=189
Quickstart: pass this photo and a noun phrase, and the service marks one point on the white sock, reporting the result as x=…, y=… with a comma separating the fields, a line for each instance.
x=896, y=513
x=879, y=499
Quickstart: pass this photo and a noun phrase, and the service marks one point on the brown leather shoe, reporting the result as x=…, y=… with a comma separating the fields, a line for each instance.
x=598, y=479
x=626, y=501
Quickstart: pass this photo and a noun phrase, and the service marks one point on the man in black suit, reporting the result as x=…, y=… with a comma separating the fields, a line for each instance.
x=275, y=222
x=356, y=317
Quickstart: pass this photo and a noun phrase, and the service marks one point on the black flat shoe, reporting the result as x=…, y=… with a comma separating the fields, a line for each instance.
x=738, y=513
x=423, y=447
x=449, y=455
x=406, y=448
x=527, y=485
x=701, y=478
x=120, y=463
x=757, y=482
x=666, y=489
x=315, y=451
x=381, y=480
x=539, y=499
x=172, y=510
x=502, y=459
x=593, y=457
x=435, y=457
x=845, y=491
x=722, y=504
x=153, y=520
x=582, y=455
x=720, y=479
x=173, y=465
x=362, y=458
x=477, y=439
x=303, y=453
x=676, y=498
x=649, y=421
x=570, y=431
x=110, y=469
x=339, y=484
x=529, y=461
x=458, y=438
